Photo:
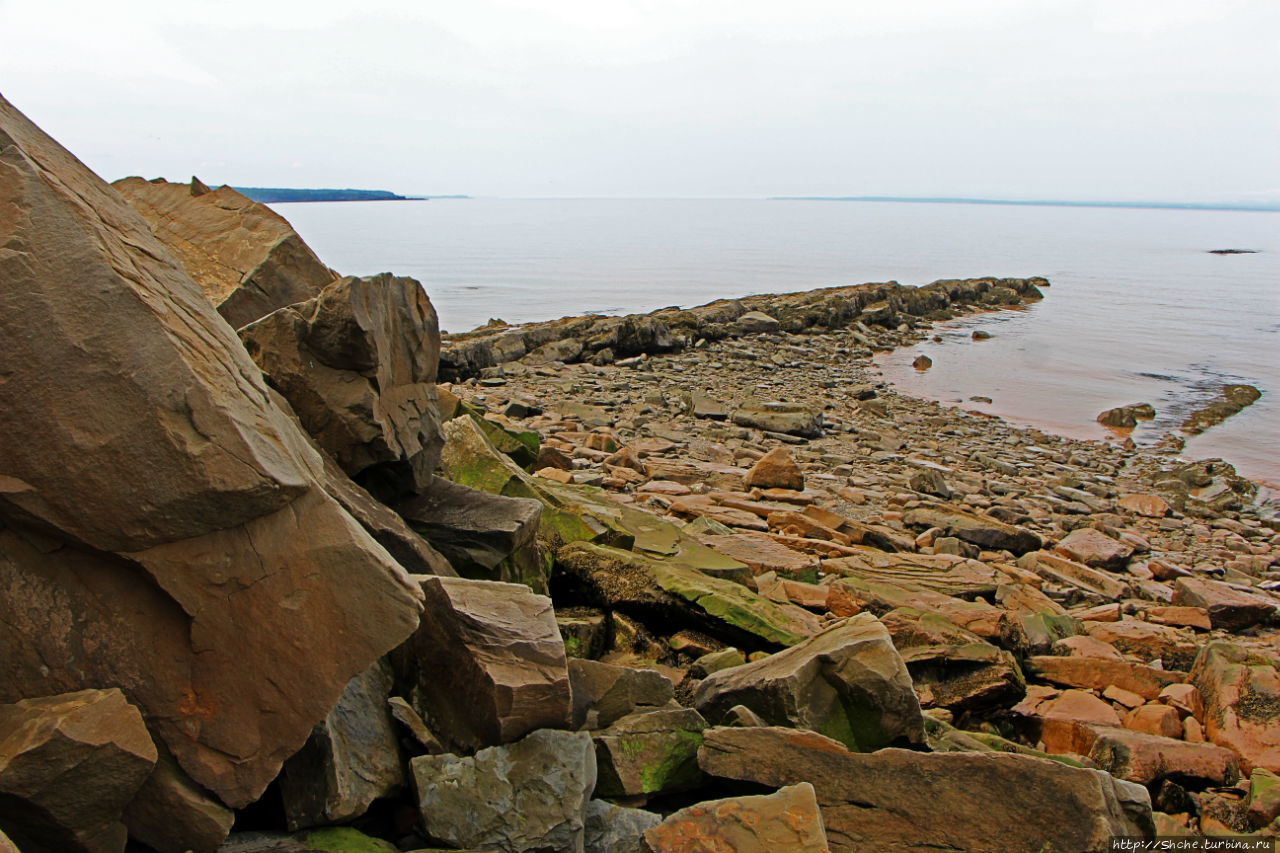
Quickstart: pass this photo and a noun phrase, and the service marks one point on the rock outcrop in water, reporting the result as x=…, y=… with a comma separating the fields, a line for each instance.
x=764, y=568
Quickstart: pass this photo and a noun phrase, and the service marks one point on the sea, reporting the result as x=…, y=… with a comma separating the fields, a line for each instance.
x=1138, y=308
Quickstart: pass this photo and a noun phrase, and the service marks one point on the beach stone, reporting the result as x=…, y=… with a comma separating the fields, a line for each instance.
x=487, y=663
x=1094, y=673
x=922, y=362
x=246, y=258
x=776, y=470
x=1149, y=758
x=604, y=693
x=1155, y=720
x=901, y=800
x=930, y=482
x=1080, y=706
x=682, y=592
x=983, y=531
x=210, y=572
x=69, y=764
x=1228, y=608
x=650, y=752
x=780, y=418
x=951, y=667
x=1263, y=805
x=615, y=829
x=1084, y=646
x=788, y=820
x=1180, y=616
x=1185, y=698
x=1149, y=506
x=758, y=322
x=1127, y=417
x=848, y=682
x=1241, y=693
x=1094, y=548
x=351, y=759
x=1174, y=648
x=529, y=795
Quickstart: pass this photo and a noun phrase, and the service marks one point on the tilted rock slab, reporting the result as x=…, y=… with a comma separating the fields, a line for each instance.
x=487, y=664
x=248, y=260
x=358, y=365
x=788, y=820
x=351, y=759
x=848, y=682
x=165, y=527
x=69, y=765
x=530, y=795
x=903, y=801
x=981, y=530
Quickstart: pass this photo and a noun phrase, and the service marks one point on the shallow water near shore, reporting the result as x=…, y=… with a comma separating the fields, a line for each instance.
x=1138, y=310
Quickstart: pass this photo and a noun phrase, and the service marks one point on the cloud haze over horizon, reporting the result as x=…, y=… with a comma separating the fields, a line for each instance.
x=1157, y=100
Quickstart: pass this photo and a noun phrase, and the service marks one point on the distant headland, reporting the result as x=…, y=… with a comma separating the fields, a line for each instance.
x=275, y=195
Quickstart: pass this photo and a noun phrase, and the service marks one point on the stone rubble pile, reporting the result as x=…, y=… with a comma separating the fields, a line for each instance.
x=695, y=580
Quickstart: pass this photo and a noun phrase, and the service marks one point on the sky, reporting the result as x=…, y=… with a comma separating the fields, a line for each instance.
x=1122, y=100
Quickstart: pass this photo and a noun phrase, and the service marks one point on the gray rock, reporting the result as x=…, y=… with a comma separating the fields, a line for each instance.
x=604, y=693
x=614, y=829
x=172, y=814
x=351, y=758
x=530, y=795
x=848, y=682
x=475, y=530
x=650, y=753
x=781, y=418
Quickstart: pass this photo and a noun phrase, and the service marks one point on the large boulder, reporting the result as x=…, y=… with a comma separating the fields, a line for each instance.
x=788, y=820
x=487, y=665
x=649, y=753
x=157, y=499
x=530, y=795
x=172, y=814
x=1229, y=608
x=848, y=682
x=904, y=801
x=69, y=765
x=358, y=365
x=248, y=260
x=1241, y=692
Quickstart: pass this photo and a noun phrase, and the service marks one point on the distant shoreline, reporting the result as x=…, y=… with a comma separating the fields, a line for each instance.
x=1138, y=205
x=288, y=195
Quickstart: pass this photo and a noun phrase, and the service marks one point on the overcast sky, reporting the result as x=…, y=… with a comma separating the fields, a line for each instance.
x=1173, y=100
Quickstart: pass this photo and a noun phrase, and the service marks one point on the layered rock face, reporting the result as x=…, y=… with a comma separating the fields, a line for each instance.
x=165, y=530
x=248, y=260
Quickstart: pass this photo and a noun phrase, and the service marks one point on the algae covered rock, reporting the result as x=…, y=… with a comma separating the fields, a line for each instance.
x=649, y=752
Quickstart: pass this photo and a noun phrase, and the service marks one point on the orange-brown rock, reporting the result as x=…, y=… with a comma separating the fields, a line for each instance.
x=1241, y=692
x=1180, y=617
x=776, y=470
x=1155, y=720
x=1184, y=697
x=1097, y=674
x=788, y=820
x=1080, y=706
x=1228, y=608
x=158, y=499
x=1151, y=506
x=1094, y=548
x=248, y=260
x=1174, y=648
x=69, y=765
x=763, y=554
x=901, y=800
x=1148, y=758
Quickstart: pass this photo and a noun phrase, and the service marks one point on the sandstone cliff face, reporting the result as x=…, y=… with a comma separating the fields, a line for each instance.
x=163, y=527
x=248, y=260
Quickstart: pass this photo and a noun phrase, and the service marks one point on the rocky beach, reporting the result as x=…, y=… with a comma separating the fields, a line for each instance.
x=283, y=569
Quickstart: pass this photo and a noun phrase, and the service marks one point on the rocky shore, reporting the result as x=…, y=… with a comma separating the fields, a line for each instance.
x=282, y=570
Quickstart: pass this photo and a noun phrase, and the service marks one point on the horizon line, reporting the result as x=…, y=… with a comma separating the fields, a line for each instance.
x=1267, y=207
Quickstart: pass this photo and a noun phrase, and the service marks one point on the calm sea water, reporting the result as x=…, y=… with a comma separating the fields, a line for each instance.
x=1138, y=311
